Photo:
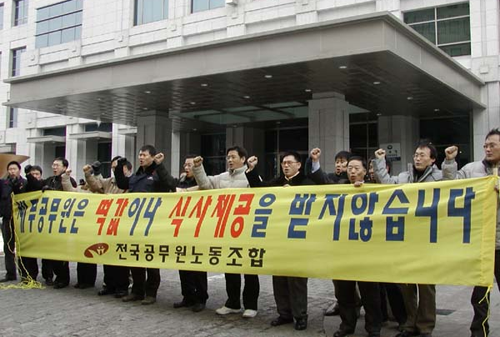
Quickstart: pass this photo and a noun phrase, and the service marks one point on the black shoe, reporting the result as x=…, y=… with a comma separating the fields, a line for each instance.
x=8, y=279
x=105, y=291
x=300, y=324
x=406, y=333
x=77, y=286
x=132, y=297
x=121, y=293
x=49, y=282
x=198, y=307
x=333, y=310
x=85, y=286
x=60, y=285
x=342, y=333
x=182, y=304
x=281, y=320
x=425, y=335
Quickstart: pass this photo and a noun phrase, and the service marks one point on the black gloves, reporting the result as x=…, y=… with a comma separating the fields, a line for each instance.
x=96, y=167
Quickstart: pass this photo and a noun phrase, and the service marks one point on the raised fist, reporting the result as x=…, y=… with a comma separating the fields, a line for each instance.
x=87, y=168
x=380, y=154
x=252, y=162
x=68, y=172
x=451, y=152
x=159, y=158
x=197, y=161
x=27, y=169
x=315, y=154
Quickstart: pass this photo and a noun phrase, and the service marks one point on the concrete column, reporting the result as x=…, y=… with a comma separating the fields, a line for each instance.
x=155, y=128
x=76, y=151
x=252, y=139
x=328, y=126
x=404, y=130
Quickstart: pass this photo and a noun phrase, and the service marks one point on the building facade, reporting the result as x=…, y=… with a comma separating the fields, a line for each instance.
x=91, y=79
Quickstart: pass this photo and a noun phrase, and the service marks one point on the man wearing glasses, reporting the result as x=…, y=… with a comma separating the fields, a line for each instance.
x=488, y=166
x=421, y=310
x=290, y=293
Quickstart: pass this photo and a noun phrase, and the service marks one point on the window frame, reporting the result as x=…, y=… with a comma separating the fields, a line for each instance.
x=210, y=7
x=48, y=32
x=139, y=9
x=436, y=21
x=16, y=71
x=18, y=21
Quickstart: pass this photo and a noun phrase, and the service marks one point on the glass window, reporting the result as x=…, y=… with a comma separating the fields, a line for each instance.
x=451, y=31
x=12, y=118
x=69, y=6
x=20, y=12
x=448, y=27
x=69, y=20
x=1, y=16
x=59, y=23
x=42, y=13
x=216, y=3
x=55, y=23
x=54, y=38
x=150, y=11
x=419, y=16
x=42, y=41
x=16, y=61
x=453, y=11
x=203, y=5
x=55, y=132
x=427, y=30
x=68, y=35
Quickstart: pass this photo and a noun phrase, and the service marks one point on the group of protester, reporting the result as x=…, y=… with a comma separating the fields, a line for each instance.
x=412, y=305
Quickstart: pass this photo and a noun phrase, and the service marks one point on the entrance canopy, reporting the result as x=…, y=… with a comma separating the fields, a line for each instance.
x=375, y=61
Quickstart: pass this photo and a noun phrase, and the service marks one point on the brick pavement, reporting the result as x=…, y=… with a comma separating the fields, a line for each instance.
x=73, y=312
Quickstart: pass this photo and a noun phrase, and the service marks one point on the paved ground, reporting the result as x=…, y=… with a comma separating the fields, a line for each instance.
x=73, y=312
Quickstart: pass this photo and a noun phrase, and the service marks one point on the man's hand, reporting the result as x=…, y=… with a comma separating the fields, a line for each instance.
x=87, y=169
x=315, y=154
x=451, y=152
x=380, y=154
x=197, y=161
x=252, y=162
x=68, y=172
x=359, y=183
x=159, y=158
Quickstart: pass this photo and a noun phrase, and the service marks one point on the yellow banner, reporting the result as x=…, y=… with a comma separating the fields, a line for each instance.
x=434, y=233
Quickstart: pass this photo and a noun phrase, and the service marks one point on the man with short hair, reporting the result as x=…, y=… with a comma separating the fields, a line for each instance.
x=116, y=278
x=152, y=176
x=234, y=177
x=13, y=184
x=290, y=293
x=421, y=310
x=480, y=299
x=194, y=284
x=59, y=167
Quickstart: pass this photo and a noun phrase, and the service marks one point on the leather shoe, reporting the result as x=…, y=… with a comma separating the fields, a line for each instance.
x=342, y=333
x=333, y=310
x=49, y=282
x=425, y=335
x=281, y=320
x=132, y=297
x=105, y=291
x=121, y=293
x=182, y=304
x=60, y=285
x=198, y=307
x=406, y=333
x=300, y=324
x=148, y=300
x=8, y=279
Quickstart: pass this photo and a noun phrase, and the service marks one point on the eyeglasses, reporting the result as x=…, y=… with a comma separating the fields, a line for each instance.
x=285, y=163
x=490, y=146
x=420, y=155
